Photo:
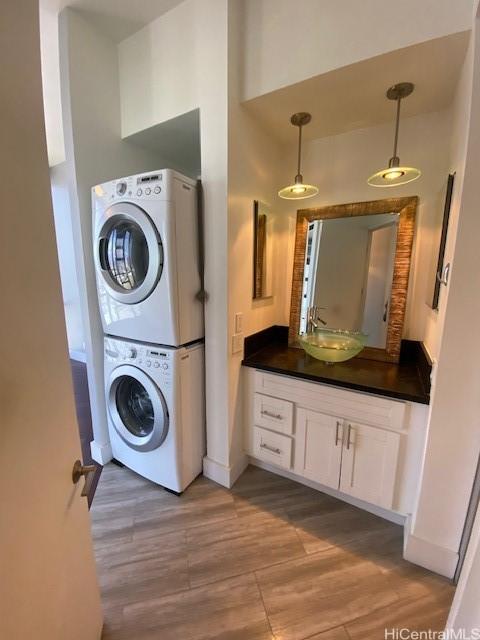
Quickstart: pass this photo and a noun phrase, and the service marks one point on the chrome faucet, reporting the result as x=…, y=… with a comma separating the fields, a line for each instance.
x=313, y=318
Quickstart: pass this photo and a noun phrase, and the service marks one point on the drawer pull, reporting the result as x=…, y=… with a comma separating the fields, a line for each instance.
x=272, y=449
x=269, y=414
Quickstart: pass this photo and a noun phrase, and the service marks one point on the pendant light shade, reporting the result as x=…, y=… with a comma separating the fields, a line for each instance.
x=299, y=190
x=395, y=174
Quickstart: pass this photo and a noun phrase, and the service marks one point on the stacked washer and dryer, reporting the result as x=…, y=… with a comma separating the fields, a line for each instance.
x=145, y=245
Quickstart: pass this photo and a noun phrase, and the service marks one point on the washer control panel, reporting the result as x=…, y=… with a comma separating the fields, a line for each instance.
x=156, y=360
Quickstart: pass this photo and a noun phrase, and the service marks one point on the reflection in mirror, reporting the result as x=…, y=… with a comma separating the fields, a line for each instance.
x=348, y=273
x=262, y=251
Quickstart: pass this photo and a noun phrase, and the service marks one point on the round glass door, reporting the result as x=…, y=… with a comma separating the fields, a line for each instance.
x=134, y=407
x=137, y=408
x=129, y=253
x=126, y=254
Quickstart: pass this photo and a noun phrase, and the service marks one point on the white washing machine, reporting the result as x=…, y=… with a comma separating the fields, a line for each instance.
x=156, y=415
x=145, y=246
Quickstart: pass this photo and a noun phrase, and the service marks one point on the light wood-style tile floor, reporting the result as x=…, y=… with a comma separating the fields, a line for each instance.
x=270, y=559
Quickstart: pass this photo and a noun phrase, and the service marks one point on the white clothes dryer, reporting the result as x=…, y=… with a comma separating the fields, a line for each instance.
x=155, y=406
x=146, y=248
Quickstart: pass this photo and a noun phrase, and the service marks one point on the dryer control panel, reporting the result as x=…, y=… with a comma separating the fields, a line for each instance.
x=154, y=185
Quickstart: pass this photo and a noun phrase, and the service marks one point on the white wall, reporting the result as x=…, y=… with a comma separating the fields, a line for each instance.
x=457, y=160
x=286, y=42
x=95, y=152
x=255, y=170
x=52, y=104
x=340, y=165
x=160, y=68
x=465, y=611
x=453, y=442
x=151, y=63
x=175, y=64
x=66, y=256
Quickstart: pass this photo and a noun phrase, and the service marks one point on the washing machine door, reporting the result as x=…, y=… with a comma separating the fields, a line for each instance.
x=128, y=253
x=137, y=408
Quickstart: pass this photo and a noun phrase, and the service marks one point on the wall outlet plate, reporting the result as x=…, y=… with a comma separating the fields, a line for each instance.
x=237, y=342
x=238, y=322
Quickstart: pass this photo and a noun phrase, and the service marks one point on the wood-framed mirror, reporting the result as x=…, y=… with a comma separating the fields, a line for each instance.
x=262, y=251
x=352, y=261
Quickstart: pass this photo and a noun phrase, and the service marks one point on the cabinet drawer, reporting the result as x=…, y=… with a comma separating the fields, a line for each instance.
x=272, y=447
x=273, y=413
x=364, y=408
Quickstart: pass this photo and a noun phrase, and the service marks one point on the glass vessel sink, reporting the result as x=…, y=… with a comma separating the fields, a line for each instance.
x=332, y=345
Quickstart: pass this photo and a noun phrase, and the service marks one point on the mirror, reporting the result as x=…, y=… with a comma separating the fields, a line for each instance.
x=352, y=262
x=360, y=252
x=262, y=251
x=441, y=276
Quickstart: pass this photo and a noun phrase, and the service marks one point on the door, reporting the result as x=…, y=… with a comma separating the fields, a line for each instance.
x=137, y=408
x=310, y=271
x=128, y=253
x=319, y=447
x=379, y=284
x=48, y=585
x=369, y=464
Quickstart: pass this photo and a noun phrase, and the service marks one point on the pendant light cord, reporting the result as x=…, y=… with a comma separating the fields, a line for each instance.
x=299, y=150
x=395, y=141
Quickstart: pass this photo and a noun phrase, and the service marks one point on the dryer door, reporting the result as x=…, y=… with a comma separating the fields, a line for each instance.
x=137, y=408
x=128, y=253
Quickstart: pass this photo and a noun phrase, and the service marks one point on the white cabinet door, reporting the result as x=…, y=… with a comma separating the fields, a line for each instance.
x=318, y=447
x=369, y=464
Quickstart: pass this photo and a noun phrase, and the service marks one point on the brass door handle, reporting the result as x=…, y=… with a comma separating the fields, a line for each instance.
x=80, y=470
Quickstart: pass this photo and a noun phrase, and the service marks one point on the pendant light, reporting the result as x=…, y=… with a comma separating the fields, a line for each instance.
x=395, y=175
x=299, y=190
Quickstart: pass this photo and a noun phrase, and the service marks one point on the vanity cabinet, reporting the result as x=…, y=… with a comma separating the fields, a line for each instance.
x=357, y=459
x=357, y=444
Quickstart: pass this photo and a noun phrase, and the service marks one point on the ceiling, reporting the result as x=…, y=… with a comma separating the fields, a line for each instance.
x=353, y=97
x=118, y=19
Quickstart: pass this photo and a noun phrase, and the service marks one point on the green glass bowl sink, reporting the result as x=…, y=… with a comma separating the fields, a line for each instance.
x=333, y=345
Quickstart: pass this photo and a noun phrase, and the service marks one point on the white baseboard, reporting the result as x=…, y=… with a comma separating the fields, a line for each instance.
x=101, y=453
x=429, y=555
x=221, y=474
x=78, y=354
x=392, y=516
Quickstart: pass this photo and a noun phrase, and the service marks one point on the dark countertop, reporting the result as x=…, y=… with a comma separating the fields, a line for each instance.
x=403, y=381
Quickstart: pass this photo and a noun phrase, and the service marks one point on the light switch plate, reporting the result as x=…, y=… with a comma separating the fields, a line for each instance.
x=237, y=342
x=238, y=322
